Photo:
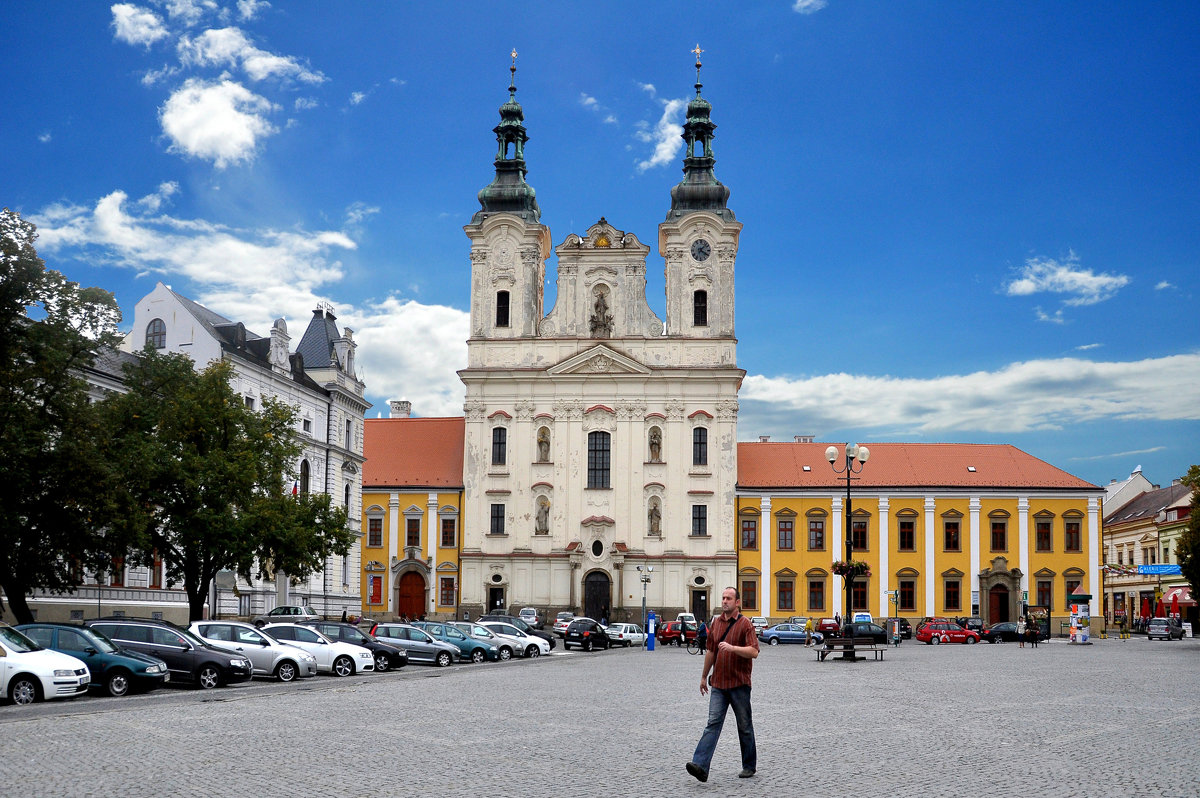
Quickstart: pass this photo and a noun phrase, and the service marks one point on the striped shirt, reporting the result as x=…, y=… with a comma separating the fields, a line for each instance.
x=730, y=670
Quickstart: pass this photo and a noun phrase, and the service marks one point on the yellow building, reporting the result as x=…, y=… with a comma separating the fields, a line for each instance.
x=945, y=530
x=412, y=500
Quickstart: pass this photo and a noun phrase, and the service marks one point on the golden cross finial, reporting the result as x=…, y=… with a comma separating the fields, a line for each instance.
x=697, y=51
x=514, y=57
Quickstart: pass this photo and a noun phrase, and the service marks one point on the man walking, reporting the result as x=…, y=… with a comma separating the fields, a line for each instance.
x=732, y=649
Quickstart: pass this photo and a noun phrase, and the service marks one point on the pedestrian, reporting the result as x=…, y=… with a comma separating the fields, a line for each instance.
x=702, y=636
x=837, y=616
x=732, y=649
x=1031, y=629
x=808, y=632
x=1021, y=631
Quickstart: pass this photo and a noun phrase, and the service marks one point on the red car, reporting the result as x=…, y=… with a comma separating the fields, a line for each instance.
x=945, y=632
x=829, y=627
x=670, y=632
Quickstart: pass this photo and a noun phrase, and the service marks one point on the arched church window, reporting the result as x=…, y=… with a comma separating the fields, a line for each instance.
x=156, y=334
x=304, y=476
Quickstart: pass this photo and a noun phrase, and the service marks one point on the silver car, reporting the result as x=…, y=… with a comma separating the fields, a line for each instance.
x=625, y=634
x=523, y=644
x=417, y=642
x=480, y=632
x=267, y=655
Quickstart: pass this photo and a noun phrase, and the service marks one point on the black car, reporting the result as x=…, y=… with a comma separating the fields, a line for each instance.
x=114, y=670
x=513, y=620
x=585, y=633
x=387, y=656
x=862, y=629
x=1004, y=632
x=189, y=658
x=906, y=630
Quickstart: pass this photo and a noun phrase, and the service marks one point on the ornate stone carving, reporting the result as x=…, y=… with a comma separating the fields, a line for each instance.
x=674, y=409
x=474, y=410
x=524, y=408
x=727, y=409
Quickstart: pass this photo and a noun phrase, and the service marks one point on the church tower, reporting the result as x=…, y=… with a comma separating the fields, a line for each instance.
x=509, y=246
x=699, y=238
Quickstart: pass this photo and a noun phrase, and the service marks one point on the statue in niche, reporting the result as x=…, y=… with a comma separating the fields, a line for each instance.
x=542, y=524
x=601, y=321
x=655, y=519
x=543, y=445
x=655, y=445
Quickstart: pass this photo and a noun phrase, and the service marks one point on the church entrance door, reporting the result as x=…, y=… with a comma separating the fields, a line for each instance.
x=597, y=595
x=410, y=595
x=997, y=604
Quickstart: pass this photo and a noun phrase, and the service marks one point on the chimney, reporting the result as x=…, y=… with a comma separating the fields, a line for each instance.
x=764, y=438
x=804, y=439
x=399, y=408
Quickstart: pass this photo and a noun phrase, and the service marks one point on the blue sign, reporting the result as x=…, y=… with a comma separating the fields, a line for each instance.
x=1162, y=570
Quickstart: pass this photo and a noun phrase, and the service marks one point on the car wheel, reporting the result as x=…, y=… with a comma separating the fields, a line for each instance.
x=533, y=651
x=117, y=683
x=444, y=659
x=587, y=645
x=774, y=641
x=285, y=671
x=477, y=656
x=972, y=640
x=382, y=662
x=935, y=640
x=505, y=653
x=23, y=690
x=343, y=666
x=260, y=624
x=208, y=677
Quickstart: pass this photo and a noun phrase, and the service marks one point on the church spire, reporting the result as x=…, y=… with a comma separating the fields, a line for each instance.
x=699, y=190
x=508, y=192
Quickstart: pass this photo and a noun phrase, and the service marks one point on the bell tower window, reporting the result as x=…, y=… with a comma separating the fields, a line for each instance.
x=501, y=308
x=700, y=309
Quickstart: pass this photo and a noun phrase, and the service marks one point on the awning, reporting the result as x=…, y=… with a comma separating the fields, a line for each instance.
x=1183, y=593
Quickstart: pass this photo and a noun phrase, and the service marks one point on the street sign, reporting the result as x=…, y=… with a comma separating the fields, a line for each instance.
x=1162, y=570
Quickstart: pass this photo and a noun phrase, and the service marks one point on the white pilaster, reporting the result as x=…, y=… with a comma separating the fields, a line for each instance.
x=394, y=533
x=930, y=542
x=884, y=550
x=976, y=544
x=765, y=541
x=1097, y=605
x=837, y=534
x=1023, y=537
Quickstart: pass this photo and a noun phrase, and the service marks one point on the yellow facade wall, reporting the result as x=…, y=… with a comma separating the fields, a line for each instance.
x=391, y=511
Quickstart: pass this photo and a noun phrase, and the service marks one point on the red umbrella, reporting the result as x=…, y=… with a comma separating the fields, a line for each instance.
x=1145, y=608
x=1158, y=611
x=1175, y=604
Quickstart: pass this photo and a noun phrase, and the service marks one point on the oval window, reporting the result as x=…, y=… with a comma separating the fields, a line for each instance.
x=597, y=549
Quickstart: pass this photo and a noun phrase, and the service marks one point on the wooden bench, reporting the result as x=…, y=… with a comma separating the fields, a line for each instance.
x=849, y=646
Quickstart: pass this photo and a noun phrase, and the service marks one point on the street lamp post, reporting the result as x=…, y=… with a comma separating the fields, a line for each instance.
x=649, y=569
x=854, y=453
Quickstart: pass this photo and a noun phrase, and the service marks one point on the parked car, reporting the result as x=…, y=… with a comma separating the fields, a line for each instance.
x=676, y=633
x=829, y=627
x=587, y=634
x=333, y=656
x=975, y=624
x=939, y=631
x=687, y=617
x=562, y=621
x=267, y=656
x=862, y=617
x=288, y=613
x=524, y=643
x=787, y=633
x=625, y=634
x=31, y=673
x=114, y=670
x=874, y=631
x=188, y=658
x=512, y=620
x=417, y=642
x=1003, y=632
x=531, y=616
x=504, y=646
x=906, y=630
x=469, y=648
x=387, y=656
x=759, y=623
x=1166, y=628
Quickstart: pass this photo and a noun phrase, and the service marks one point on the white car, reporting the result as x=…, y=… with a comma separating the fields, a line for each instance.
x=523, y=644
x=625, y=634
x=341, y=659
x=687, y=617
x=31, y=673
x=759, y=623
x=530, y=616
x=267, y=656
x=562, y=621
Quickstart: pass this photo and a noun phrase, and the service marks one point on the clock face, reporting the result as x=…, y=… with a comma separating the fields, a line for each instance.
x=700, y=250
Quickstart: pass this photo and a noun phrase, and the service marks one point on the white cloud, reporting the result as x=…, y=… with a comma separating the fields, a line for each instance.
x=610, y=120
x=648, y=88
x=229, y=47
x=153, y=202
x=808, y=6
x=135, y=25
x=1038, y=394
x=45, y=137
x=249, y=9
x=1047, y=275
x=1115, y=455
x=356, y=97
x=1085, y=347
x=189, y=12
x=665, y=136
x=223, y=121
x=587, y=101
x=1056, y=318
x=1163, y=285
x=305, y=103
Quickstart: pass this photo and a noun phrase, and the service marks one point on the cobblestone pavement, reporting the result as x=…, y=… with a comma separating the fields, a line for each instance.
x=1111, y=719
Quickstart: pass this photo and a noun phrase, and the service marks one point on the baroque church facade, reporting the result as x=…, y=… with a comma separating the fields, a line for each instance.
x=599, y=437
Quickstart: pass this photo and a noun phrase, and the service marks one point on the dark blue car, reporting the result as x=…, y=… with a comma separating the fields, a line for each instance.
x=115, y=670
x=787, y=633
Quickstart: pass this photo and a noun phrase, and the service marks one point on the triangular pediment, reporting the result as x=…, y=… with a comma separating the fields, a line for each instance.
x=599, y=359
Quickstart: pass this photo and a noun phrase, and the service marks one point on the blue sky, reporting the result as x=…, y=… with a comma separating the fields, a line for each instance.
x=963, y=222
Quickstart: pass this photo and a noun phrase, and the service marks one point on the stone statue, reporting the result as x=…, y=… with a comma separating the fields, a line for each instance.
x=655, y=518
x=601, y=322
x=655, y=445
x=543, y=445
x=542, y=524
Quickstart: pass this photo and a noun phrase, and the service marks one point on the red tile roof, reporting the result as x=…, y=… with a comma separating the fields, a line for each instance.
x=901, y=465
x=413, y=452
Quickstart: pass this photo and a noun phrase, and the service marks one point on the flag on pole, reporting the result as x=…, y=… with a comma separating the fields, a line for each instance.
x=296, y=487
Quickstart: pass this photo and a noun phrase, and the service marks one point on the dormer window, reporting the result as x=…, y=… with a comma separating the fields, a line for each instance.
x=156, y=334
x=501, y=308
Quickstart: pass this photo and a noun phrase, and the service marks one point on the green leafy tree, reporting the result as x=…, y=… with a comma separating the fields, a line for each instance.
x=1188, y=547
x=53, y=481
x=204, y=479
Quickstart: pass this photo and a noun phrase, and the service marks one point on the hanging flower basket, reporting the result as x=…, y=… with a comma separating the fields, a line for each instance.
x=851, y=569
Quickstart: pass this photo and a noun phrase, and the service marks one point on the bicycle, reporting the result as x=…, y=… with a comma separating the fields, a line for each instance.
x=694, y=646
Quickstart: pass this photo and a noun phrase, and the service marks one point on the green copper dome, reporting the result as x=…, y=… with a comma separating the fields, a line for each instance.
x=508, y=192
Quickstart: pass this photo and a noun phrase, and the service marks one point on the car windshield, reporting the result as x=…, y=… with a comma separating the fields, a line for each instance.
x=100, y=641
x=17, y=641
x=191, y=638
x=356, y=635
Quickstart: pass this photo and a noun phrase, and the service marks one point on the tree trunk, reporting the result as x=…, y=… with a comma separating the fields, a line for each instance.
x=14, y=591
x=197, y=595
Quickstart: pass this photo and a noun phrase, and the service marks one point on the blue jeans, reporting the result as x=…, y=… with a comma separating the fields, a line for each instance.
x=718, y=703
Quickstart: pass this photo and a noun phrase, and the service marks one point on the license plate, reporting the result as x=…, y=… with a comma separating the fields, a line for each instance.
x=167, y=678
